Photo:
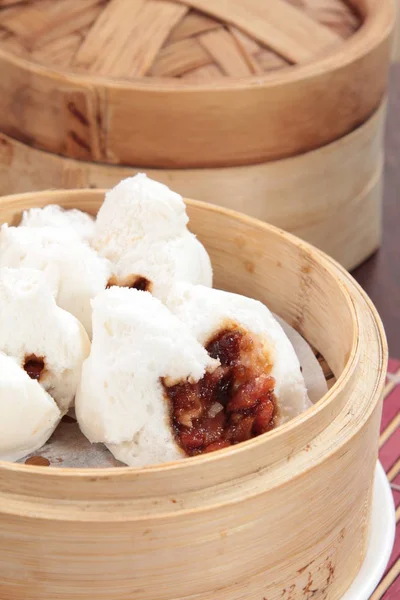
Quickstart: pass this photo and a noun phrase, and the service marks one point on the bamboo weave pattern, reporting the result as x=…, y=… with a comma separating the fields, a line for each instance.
x=183, y=39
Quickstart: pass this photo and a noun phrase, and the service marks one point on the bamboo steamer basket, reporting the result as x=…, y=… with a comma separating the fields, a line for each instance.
x=240, y=102
x=285, y=515
x=104, y=80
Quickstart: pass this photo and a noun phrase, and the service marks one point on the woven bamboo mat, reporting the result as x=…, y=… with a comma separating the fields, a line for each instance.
x=389, y=588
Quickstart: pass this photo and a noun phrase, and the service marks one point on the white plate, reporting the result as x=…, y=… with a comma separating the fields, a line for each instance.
x=381, y=542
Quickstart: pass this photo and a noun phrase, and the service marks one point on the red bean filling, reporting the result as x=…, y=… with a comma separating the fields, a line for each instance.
x=142, y=284
x=132, y=282
x=34, y=366
x=231, y=405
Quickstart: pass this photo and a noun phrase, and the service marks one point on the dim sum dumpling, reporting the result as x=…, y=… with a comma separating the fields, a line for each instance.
x=73, y=269
x=28, y=414
x=53, y=215
x=209, y=311
x=137, y=344
x=157, y=266
x=46, y=341
x=141, y=229
x=137, y=209
x=158, y=387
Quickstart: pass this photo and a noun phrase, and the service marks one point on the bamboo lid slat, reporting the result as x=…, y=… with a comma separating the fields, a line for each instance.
x=181, y=57
x=204, y=74
x=194, y=24
x=279, y=25
x=10, y=2
x=68, y=19
x=269, y=61
x=134, y=41
x=110, y=31
x=39, y=23
x=17, y=21
x=226, y=52
x=334, y=15
x=10, y=43
x=129, y=38
x=155, y=21
x=59, y=52
x=247, y=43
x=325, y=10
x=248, y=47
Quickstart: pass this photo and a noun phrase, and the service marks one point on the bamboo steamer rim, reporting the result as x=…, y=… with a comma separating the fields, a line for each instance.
x=334, y=270
x=378, y=23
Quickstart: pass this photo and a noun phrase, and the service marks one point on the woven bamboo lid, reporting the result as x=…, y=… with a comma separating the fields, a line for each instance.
x=195, y=40
x=190, y=83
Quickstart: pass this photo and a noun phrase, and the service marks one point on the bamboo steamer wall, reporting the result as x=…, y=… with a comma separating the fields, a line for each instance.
x=240, y=103
x=285, y=515
x=330, y=197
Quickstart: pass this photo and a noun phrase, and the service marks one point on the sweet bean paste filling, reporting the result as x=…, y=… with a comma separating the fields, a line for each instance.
x=34, y=366
x=134, y=282
x=231, y=405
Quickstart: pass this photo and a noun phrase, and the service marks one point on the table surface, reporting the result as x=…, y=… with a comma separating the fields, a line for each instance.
x=380, y=275
x=389, y=455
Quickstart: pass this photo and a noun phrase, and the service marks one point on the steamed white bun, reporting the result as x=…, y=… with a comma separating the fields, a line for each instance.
x=206, y=311
x=137, y=209
x=120, y=400
x=28, y=414
x=142, y=229
x=165, y=263
x=74, y=271
x=35, y=248
x=53, y=215
x=33, y=328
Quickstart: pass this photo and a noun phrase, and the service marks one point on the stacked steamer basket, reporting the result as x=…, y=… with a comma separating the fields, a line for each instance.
x=271, y=107
x=283, y=516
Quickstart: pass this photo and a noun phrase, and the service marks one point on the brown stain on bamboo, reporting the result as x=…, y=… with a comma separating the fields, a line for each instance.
x=250, y=266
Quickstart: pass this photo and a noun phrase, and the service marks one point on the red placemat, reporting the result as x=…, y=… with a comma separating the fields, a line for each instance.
x=389, y=454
